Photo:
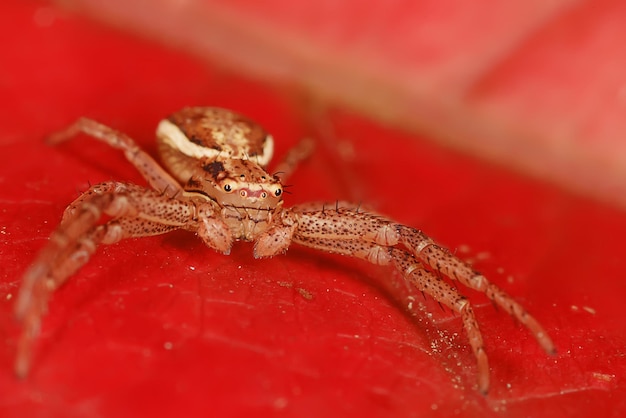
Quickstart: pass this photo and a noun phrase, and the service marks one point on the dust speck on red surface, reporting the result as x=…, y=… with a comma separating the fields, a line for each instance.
x=165, y=326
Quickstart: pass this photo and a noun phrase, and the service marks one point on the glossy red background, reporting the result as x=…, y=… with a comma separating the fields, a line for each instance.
x=164, y=326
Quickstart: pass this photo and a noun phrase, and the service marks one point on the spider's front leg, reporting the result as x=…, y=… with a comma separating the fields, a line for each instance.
x=344, y=229
x=154, y=174
x=134, y=211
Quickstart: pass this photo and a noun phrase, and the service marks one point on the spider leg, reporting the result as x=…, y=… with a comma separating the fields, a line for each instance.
x=154, y=174
x=105, y=214
x=442, y=260
x=41, y=281
x=348, y=231
x=428, y=282
x=297, y=154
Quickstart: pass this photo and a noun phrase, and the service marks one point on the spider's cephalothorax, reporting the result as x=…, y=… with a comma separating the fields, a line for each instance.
x=217, y=186
x=221, y=156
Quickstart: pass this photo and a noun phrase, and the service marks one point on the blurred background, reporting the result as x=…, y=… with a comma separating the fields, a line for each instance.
x=538, y=86
x=495, y=127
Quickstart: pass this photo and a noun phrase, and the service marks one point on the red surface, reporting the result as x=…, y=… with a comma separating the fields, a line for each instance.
x=165, y=326
x=534, y=85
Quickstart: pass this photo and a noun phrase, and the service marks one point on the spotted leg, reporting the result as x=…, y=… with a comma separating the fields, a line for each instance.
x=345, y=229
x=134, y=212
x=433, y=285
x=441, y=260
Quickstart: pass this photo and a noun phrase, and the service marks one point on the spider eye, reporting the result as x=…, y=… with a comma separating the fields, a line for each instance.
x=278, y=192
x=228, y=188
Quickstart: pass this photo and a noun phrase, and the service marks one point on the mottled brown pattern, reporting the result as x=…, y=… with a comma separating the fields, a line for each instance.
x=222, y=130
x=225, y=197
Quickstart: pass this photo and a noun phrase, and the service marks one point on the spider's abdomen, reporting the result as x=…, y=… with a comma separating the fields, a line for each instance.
x=211, y=132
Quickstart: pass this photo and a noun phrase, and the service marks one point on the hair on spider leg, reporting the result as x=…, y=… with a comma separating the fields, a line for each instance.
x=443, y=309
x=164, y=191
x=440, y=275
x=285, y=188
x=79, y=192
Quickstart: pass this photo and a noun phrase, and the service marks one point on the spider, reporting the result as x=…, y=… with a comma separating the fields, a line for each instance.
x=217, y=186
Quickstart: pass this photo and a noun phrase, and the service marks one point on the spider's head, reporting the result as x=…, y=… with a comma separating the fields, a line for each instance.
x=220, y=155
x=238, y=182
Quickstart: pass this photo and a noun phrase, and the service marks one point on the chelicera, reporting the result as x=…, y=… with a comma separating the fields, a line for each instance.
x=216, y=185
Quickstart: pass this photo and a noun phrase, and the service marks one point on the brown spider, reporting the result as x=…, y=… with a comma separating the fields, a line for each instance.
x=219, y=189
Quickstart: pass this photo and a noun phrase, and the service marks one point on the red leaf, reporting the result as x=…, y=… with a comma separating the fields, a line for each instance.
x=165, y=326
